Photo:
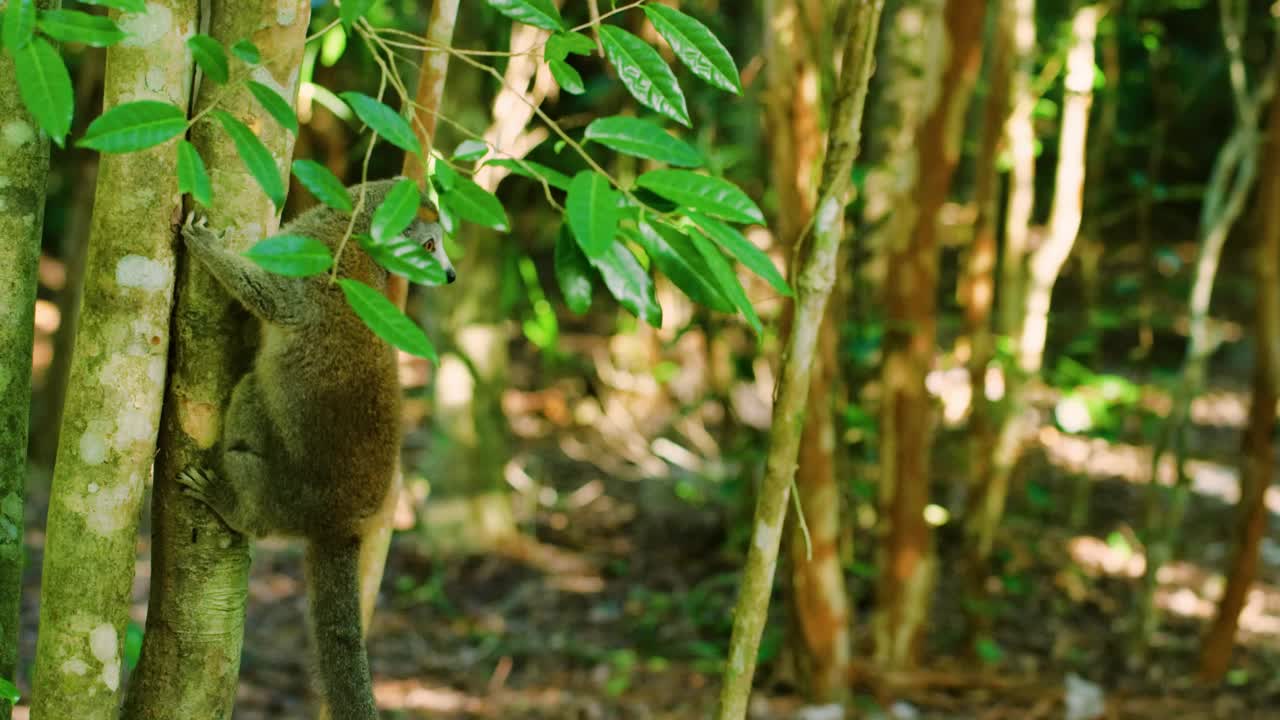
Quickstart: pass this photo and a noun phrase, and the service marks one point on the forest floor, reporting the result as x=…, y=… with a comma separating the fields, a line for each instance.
x=620, y=609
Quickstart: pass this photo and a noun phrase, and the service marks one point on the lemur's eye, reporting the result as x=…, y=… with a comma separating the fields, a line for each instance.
x=431, y=245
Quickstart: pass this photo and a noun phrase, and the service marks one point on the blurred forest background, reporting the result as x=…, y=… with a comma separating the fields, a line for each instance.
x=1037, y=456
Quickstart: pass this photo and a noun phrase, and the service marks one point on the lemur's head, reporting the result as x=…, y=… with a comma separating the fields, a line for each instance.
x=427, y=231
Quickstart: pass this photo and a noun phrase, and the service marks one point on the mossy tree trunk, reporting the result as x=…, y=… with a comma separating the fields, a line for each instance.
x=115, y=387
x=24, y=170
x=819, y=605
x=907, y=560
x=191, y=651
x=813, y=278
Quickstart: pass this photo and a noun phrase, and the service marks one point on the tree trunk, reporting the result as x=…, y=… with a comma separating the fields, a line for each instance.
x=1230, y=183
x=907, y=561
x=114, y=394
x=470, y=509
x=814, y=278
x=1257, y=455
x=24, y=163
x=977, y=292
x=1025, y=315
x=819, y=605
x=431, y=78
x=199, y=571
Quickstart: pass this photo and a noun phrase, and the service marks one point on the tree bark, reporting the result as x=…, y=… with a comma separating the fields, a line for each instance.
x=1231, y=181
x=814, y=279
x=115, y=389
x=24, y=163
x=191, y=650
x=1257, y=454
x=819, y=605
x=977, y=293
x=907, y=564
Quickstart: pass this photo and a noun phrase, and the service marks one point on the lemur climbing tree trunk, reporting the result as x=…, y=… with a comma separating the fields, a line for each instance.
x=24, y=163
x=907, y=559
x=819, y=605
x=1227, y=191
x=1257, y=454
x=813, y=278
x=114, y=390
x=199, y=570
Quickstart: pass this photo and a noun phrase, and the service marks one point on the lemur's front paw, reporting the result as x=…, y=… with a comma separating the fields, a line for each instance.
x=196, y=228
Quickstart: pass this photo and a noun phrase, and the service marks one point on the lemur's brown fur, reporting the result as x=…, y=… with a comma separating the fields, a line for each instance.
x=312, y=433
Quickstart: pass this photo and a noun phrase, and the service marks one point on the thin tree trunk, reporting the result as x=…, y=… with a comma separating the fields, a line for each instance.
x=114, y=394
x=1257, y=454
x=1021, y=136
x=474, y=507
x=1230, y=183
x=25, y=166
x=1029, y=311
x=814, y=279
x=199, y=569
x=819, y=605
x=430, y=93
x=907, y=560
x=977, y=293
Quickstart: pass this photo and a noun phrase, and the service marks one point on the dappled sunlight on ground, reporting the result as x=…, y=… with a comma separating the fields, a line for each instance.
x=1102, y=459
x=1186, y=589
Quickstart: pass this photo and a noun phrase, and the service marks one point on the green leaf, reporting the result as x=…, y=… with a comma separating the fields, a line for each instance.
x=386, y=321
x=561, y=44
x=134, y=6
x=192, y=176
x=741, y=248
x=405, y=257
x=643, y=139
x=384, y=121
x=644, y=74
x=277, y=106
x=696, y=46
x=247, y=52
x=711, y=195
x=538, y=13
x=19, y=24
x=726, y=280
x=210, y=56
x=353, y=10
x=397, y=210
x=592, y=209
x=469, y=150
x=45, y=86
x=80, y=27
x=573, y=272
x=291, y=255
x=474, y=204
x=533, y=170
x=9, y=692
x=566, y=77
x=629, y=283
x=323, y=184
x=134, y=126
x=255, y=155
x=679, y=260
x=444, y=177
